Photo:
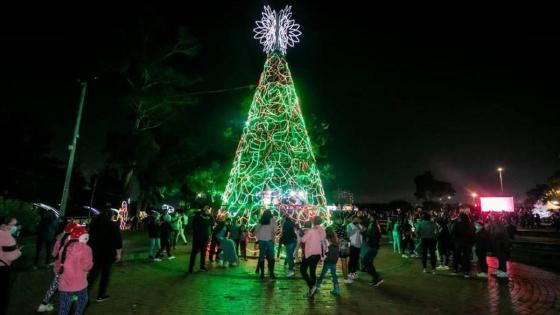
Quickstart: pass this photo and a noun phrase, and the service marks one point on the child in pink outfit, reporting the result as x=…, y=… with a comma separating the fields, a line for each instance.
x=74, y=261
x=61, y=240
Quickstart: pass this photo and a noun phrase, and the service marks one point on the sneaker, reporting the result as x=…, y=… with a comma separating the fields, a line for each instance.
x=356, y=276
x=335, y=291
x=312, y=291
x=348, y=281
x=424, y=270
x=377, y=283
x=102, y=298
x=502, y=274
x=290, y=274
x=496, y=272
x=440, y=268
x=466, y=276
x=45, y=308
x=203, y=269
x=446, y=268
x=482, y=275
x=171, y=257
x=404, y=256
x=454, y=273
x=157, y=259
x=433, y=271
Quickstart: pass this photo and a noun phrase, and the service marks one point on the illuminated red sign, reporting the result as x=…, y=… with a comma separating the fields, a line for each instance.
x=497, y=204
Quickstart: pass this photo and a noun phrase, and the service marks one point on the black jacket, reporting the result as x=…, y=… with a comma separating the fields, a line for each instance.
x=201, y=227
x=483, y=241
x=288, y=234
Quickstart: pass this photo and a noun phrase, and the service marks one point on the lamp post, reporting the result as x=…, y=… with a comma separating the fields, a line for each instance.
x=500, y=170
x=72, y=148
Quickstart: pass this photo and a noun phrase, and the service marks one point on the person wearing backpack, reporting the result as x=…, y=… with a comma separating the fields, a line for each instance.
x=331, y=259
x=74, y=262
x=344, y=246
x=427, y=232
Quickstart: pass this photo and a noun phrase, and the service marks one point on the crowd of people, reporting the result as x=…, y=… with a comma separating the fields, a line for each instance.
x=456, y=241
x=355, y=244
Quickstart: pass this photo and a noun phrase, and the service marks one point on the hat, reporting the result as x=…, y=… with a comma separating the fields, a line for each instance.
x=70, y=227
x=78, y=231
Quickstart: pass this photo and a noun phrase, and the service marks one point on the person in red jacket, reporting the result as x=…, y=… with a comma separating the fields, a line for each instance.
x=74, y=262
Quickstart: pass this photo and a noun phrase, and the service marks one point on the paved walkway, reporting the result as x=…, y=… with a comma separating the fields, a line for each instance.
x=142, y=287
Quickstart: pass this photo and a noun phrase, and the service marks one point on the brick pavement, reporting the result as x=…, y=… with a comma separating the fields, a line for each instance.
x=142, y=287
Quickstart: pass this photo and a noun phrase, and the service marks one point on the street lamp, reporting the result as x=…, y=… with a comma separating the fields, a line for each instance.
x=473, y=195
x=500, y=170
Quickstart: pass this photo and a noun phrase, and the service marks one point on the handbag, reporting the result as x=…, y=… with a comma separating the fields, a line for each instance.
x=344, y=248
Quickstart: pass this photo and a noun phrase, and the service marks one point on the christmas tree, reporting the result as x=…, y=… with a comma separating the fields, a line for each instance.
x=274, y=166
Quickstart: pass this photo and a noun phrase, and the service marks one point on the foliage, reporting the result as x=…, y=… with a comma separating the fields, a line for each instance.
x=428, y=188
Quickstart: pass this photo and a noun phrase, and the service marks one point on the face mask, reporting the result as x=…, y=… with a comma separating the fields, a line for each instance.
x=84, y=238
x=13, y=230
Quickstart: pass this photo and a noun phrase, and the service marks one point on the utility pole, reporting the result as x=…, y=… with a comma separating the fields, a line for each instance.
x=72, y=149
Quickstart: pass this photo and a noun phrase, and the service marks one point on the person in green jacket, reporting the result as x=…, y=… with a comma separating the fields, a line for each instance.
x=427, y=231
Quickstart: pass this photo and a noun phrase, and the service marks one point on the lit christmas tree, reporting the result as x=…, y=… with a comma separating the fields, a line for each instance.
x=274, y=167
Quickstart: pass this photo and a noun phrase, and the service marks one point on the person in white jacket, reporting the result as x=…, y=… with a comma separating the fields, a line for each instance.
x=354, y=231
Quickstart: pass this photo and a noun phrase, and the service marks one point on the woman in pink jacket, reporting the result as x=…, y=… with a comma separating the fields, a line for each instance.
x=314, y=239
x=9, y=251
x=74, y=262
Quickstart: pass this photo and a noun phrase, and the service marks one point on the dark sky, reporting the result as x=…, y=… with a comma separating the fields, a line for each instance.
x=403, y=93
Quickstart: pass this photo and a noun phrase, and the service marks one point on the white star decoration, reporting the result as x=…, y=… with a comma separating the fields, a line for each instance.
x=276, y=30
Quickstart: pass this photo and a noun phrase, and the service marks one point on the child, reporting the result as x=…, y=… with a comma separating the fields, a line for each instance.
x=72, y=266
x=229, y=256
x=331, y=260
x=61, y=240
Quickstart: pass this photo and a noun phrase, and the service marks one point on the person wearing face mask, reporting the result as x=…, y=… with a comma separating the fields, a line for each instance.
x=74, y=261
x=482, y=245
x=9, y=251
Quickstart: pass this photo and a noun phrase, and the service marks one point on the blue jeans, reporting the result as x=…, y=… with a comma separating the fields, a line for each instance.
x=328, y=267
x=290, y=255
x=368, y=261
x=266, y=248
x=66, y=302
x=154, y=246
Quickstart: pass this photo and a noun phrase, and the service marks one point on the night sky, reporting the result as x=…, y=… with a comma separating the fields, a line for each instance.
x=402, y=93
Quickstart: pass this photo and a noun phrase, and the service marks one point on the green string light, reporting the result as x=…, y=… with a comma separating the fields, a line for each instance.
x=274, y=167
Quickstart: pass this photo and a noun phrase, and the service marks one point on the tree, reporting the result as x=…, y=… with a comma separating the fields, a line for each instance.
x=274, y=165
x=535, y=194
x=151, y=160
x=428, y=188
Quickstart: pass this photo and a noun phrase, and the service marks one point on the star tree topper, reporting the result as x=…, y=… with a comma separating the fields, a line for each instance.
x=276, y=30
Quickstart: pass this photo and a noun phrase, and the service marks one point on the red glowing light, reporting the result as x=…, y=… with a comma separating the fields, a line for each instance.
x=497, y=204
